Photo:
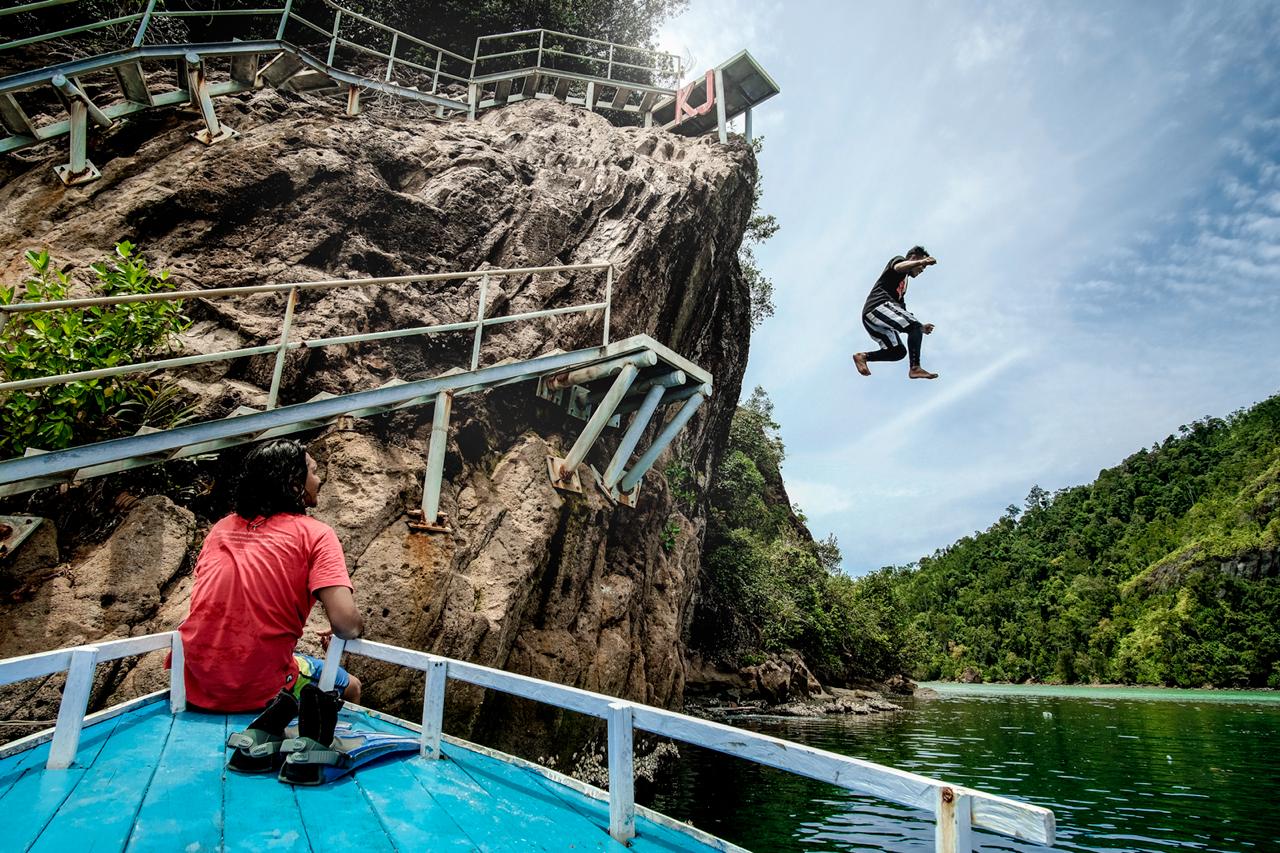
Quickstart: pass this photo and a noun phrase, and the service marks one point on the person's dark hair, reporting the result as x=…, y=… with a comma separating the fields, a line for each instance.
x=273, y=478
x=917, y=252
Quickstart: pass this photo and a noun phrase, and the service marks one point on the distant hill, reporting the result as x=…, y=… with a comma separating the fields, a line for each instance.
x=1164, y=570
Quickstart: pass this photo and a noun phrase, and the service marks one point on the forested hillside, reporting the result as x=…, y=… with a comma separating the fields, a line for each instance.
x=1165, y=570
x=768, y=586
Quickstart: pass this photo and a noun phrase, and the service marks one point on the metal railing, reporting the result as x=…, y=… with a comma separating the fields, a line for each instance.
x=548, y=54
x=956, y=810
x=476, y=326
x=427, y=58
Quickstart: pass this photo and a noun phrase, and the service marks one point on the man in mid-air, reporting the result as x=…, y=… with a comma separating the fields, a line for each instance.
x=885, y=315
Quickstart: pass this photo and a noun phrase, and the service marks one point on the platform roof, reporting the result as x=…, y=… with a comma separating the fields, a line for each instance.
x=746, y=85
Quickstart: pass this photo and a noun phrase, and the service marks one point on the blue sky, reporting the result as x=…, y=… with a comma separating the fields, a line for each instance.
x=1100, y=182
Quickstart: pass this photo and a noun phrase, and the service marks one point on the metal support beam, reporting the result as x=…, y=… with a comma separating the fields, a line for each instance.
x=668, y=434
x=353, y=100
x=721, y=121
x=613, y=472
x=198, y=86
x=594, y=372
x=282, y=348
x=591, y=95
x=480, y=306
x=563, y=471
x=435, y=459
x=748, y=125
x=78, y=169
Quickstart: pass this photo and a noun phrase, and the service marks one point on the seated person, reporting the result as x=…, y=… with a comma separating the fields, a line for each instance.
x=257, y=577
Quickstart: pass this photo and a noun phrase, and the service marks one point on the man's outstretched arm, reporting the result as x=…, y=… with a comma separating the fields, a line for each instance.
x=908, y=266
x=340, y=607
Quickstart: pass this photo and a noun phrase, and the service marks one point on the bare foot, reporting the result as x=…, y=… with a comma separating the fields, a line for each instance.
x=860, y=362
x=921, y=373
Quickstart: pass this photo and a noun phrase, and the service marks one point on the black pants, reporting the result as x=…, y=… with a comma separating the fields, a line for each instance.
x=883, y=323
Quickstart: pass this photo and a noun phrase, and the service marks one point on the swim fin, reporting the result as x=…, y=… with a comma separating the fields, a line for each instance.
x=309, y=763
x=320, y=755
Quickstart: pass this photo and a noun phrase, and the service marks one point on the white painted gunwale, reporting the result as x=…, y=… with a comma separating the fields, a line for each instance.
x=988, y=811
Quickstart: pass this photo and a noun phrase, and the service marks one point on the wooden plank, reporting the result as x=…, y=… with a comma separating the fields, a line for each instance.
x=34, y=798
x=433, y=709
x=622, y=774
x=113, y=649
x=521, y=812
x=102, y=807
x=349, y=819
x=179, y=811
x=259, y=813
x=34, y=666
x=71, y=710
x=244, y=68
x=650, y=837
x=410, y=815
x=133, y=83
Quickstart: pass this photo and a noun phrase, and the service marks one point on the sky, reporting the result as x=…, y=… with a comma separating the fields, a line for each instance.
x=1100, y=183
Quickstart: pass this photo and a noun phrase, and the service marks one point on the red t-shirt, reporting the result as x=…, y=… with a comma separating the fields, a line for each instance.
x=255, y=586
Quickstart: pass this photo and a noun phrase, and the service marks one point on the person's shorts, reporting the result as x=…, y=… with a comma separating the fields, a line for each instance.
x=309, y=669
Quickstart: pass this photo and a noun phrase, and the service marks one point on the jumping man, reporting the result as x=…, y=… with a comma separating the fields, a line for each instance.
x=885, y=314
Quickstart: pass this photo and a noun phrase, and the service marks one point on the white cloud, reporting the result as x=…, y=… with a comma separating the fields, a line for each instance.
x=1102, y=186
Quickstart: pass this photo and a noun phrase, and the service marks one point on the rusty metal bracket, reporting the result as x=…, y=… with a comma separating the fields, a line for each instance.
x=418, y=525
x=562, y=477
x=14, y=530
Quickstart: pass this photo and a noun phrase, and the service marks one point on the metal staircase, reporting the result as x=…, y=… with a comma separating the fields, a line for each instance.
x=348, y=56
x=601, y=384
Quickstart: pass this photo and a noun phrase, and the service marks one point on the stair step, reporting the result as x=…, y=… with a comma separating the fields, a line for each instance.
x=646, y=103
x=14, y=118
x=620, y=97
x=133, y=83
x=502, y=91
x=244, y=68
x=283, y=67
x=311, y=81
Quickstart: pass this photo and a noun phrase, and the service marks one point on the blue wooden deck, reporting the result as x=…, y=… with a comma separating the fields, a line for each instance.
x=152, y=781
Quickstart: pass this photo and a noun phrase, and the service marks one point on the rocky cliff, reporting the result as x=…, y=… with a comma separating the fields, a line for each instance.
x=568, y=588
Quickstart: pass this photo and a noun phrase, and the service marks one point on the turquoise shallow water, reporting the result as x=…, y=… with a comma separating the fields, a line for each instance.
x=1124, y=769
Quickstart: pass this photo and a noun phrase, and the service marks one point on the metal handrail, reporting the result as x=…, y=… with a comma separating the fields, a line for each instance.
x=661, y=59
x=293, y=289
x=956, y=810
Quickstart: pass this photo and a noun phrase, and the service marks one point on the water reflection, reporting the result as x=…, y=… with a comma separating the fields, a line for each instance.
x=1120, y=773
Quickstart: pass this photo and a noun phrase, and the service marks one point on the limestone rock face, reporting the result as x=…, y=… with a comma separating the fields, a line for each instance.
x=125, y=582
x=564, y=587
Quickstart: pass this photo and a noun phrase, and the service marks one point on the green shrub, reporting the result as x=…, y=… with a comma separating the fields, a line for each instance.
x=45, y=343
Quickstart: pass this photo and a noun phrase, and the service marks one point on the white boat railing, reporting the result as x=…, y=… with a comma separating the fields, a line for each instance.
x=956, y=810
